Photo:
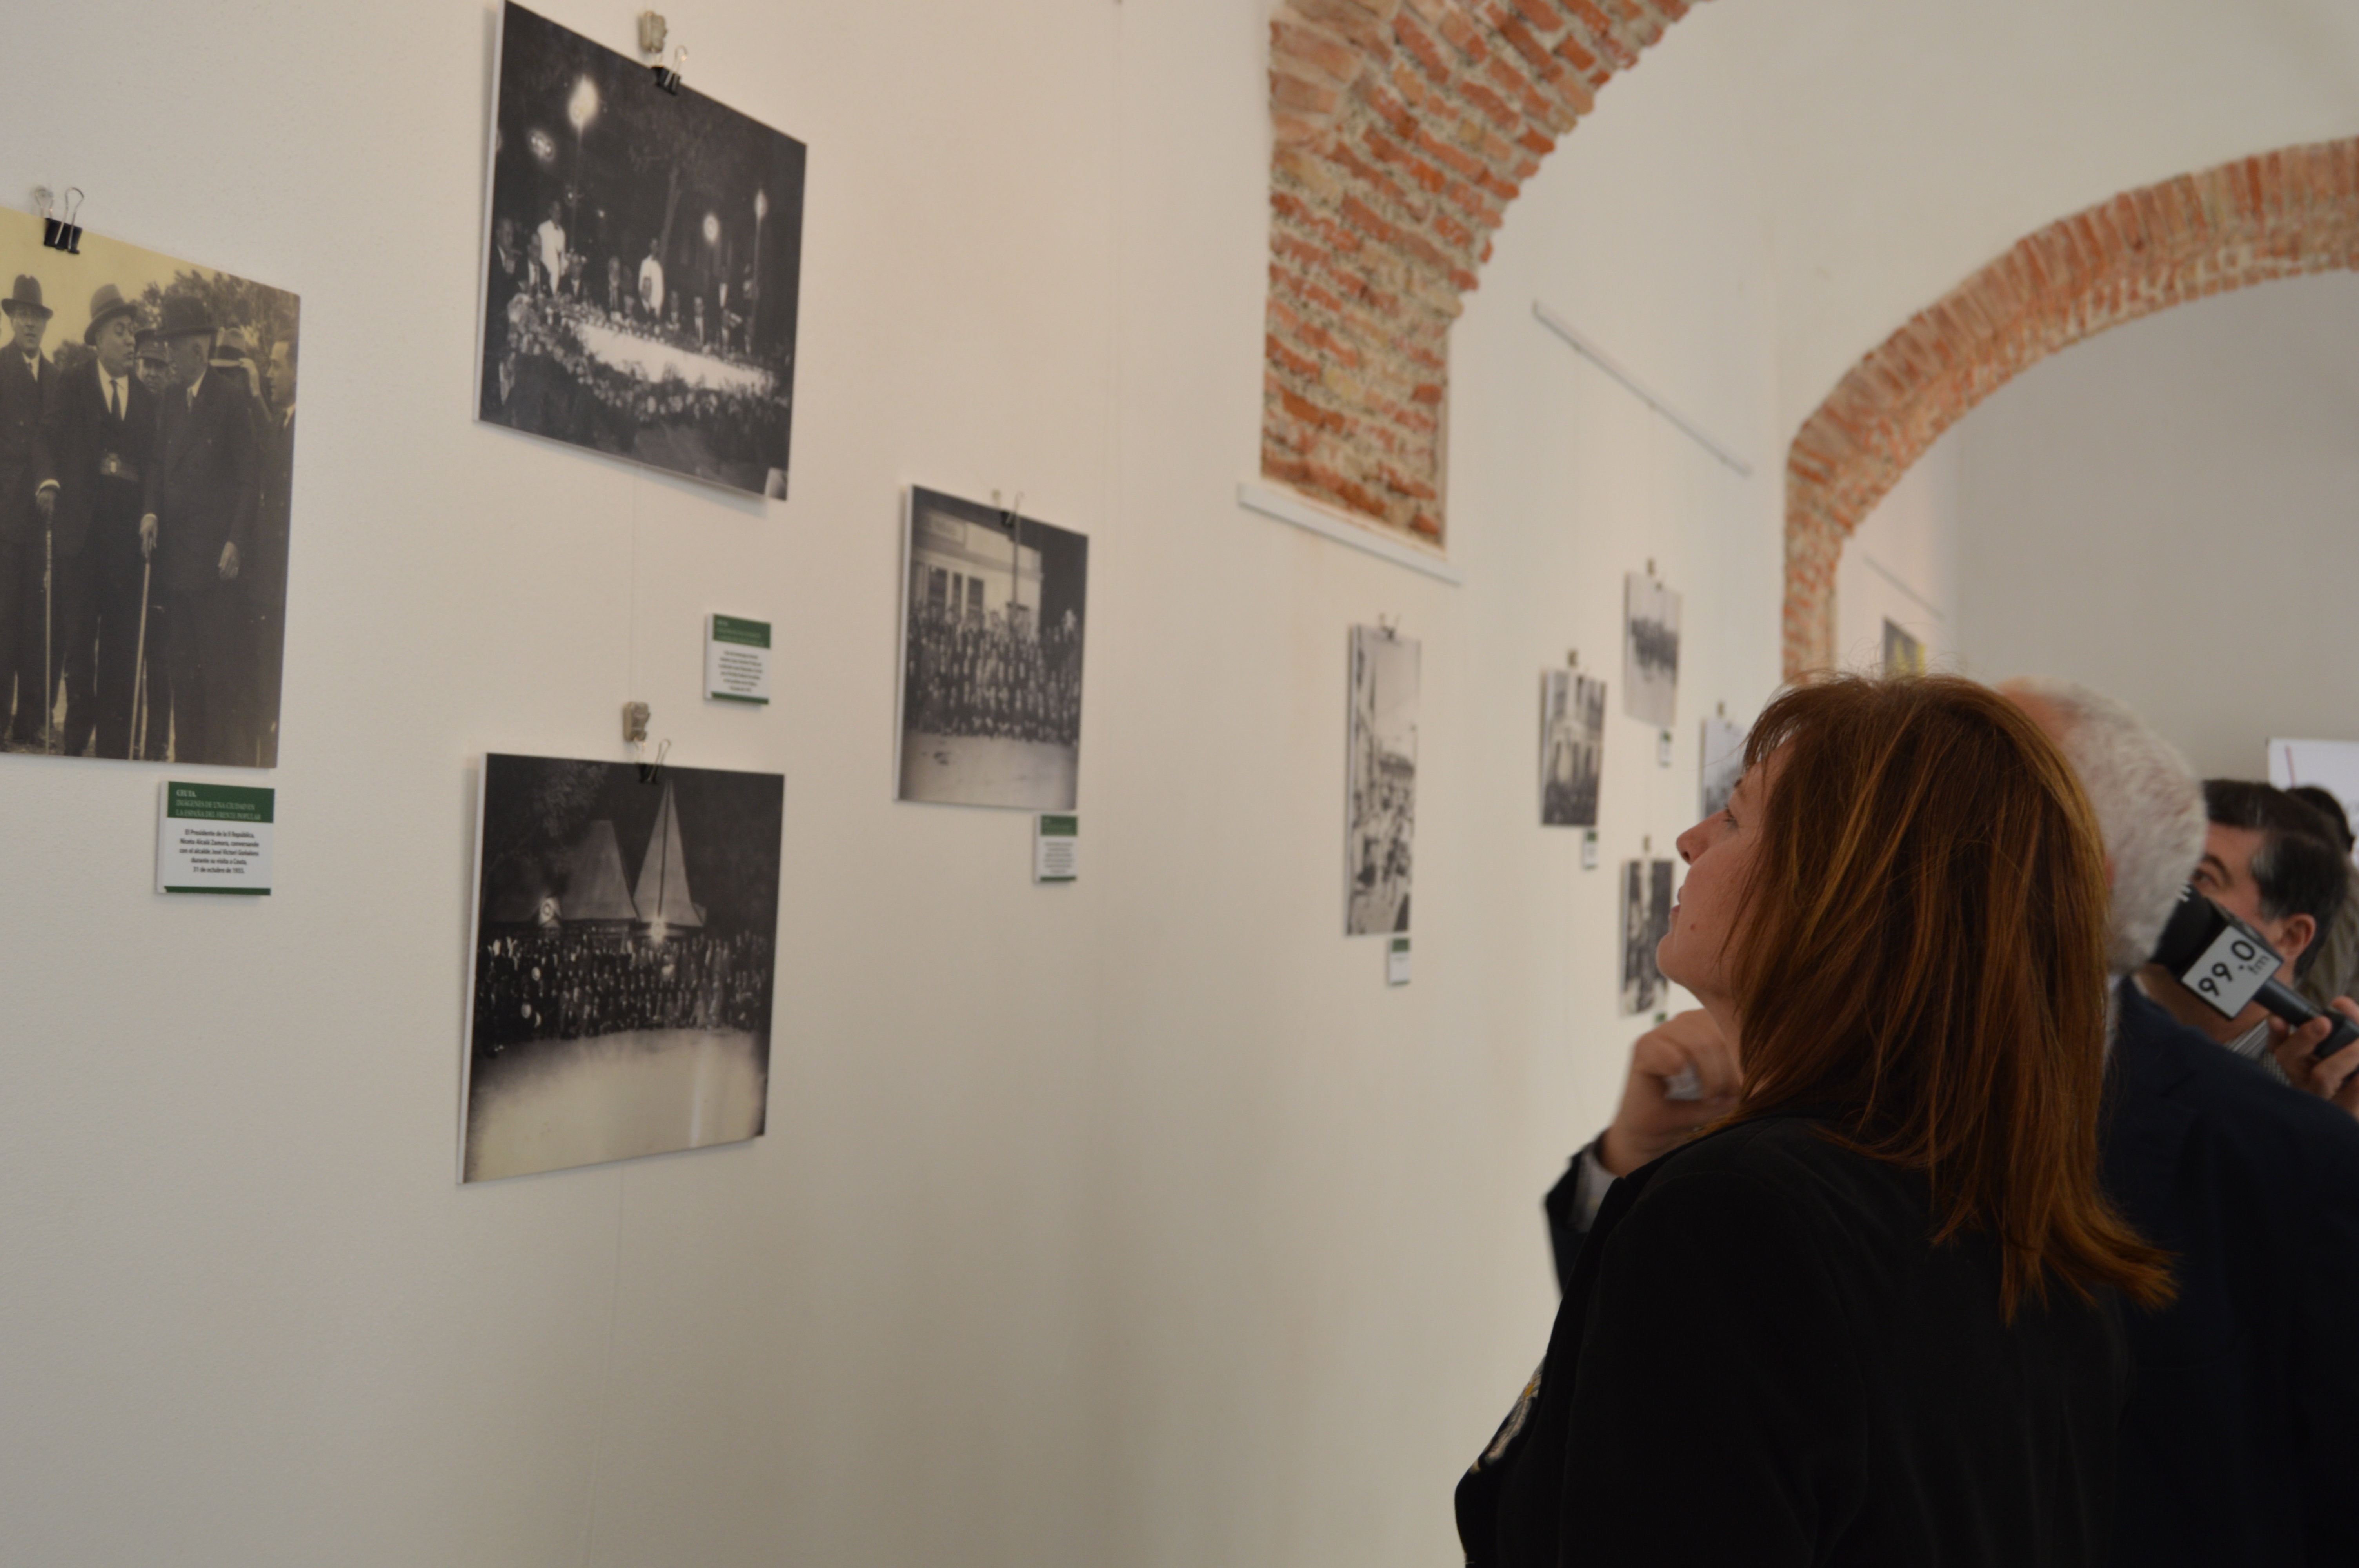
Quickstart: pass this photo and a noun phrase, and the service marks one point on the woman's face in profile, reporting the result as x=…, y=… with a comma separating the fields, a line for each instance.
x=1719, y=851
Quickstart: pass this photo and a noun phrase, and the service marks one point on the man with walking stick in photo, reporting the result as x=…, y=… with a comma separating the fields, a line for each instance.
x=94, y=445
x=202, y=487
x=25, y=377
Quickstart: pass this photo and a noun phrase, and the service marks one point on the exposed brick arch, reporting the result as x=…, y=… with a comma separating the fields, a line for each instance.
x=1403, y=130
x=2282, y=214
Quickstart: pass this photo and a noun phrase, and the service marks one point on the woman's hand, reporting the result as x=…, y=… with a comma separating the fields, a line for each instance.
x=1650, y=1124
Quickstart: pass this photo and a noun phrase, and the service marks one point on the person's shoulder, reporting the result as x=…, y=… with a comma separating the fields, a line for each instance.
x=2238, y=1105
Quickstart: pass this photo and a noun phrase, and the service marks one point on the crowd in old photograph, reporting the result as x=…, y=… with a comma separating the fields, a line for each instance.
x=969, y=674
x=547, y=294
x=145, y=473
x=571, y=983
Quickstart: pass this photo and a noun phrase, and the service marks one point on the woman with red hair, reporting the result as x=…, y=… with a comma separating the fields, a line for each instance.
x=1868, y=1317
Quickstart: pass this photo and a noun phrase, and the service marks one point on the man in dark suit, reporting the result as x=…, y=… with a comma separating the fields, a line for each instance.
x=94, y=444
x=25, y=611
x=204, y=485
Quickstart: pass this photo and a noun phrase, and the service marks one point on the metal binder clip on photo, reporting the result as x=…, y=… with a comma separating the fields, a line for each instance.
x=2230, y=966
x=667, y=76
x=58, y=230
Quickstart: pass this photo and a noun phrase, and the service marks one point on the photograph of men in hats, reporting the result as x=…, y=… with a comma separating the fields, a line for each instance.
x=600, y=176
x=145, y=477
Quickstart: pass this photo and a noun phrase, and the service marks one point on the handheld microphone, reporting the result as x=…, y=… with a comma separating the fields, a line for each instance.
x=2228, y=964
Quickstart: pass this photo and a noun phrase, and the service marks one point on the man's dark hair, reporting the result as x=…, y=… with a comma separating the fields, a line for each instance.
x=2297, y=867
x=2328, y=807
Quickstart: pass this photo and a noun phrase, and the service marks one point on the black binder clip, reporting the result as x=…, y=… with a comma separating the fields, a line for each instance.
x=62, y=233
x=667, y=76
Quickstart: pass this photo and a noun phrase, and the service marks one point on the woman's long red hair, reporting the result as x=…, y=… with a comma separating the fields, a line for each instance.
x=1922, y=961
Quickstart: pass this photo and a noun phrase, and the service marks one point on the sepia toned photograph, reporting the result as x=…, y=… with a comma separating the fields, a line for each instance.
x=1573, y=748
x=995, y=613
x=146, y=475
x=643, y=259
x=623, y=962
x=1646, y=920
x=1650, y=650
x=1722, y=764
x=1904, y=655
x=1380, y=809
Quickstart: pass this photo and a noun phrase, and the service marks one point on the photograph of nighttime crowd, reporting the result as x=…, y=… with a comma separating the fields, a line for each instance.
x=641, y=264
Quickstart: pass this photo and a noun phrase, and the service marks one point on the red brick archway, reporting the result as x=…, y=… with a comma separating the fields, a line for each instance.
x=1403, y=129
x=2282, y=214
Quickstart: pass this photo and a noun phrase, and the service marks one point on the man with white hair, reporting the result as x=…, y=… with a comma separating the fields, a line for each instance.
x=2243, y=1430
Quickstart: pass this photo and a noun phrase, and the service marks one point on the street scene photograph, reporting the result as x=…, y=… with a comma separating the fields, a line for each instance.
x=1380, y=805
x=1573, y=748
x=146, y=474
x=994, y=619
x=1650, y=650
x=623, y=962
x=642, y=263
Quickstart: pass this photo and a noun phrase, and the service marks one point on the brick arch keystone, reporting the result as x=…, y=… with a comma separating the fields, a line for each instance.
x=1403, y=129
x=2280, y=214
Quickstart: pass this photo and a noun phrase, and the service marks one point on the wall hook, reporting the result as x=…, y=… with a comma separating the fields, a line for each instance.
x=668, y=77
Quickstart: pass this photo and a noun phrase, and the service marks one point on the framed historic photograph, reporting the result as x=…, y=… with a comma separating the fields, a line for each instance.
x=1646, y=899
x=642, y=259
x=1573, y=748
x=147, y=482
x=623, y=962
x=1380, y=801
x=1650, y=650
x=1723, y=762
x=994, y=617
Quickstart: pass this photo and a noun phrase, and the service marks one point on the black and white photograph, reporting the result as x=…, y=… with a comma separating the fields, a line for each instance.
x=1650, y=650
x=642, y=257
x=1722, y=764
x=623, y=962
x=146, y=469
x=993, y=623
x=1646, y=920
x=1572, y=746
x=1380, y=823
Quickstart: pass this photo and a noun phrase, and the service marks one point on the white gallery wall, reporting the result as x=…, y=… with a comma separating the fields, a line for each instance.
x=1132, y=1222
x=1901, y=564
x=2170, y=512
x=1135, y=1221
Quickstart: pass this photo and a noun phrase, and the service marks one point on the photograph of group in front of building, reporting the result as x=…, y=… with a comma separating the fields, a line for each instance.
x=1380, y=817
x=623, y=962
x=994, y=619
x=642, y=265
x=146, y=466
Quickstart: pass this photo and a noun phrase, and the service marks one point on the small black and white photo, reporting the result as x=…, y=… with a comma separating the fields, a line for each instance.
x=624, y=962
x=1646, y=920
x=1380, y=807
x=1572, y=747
x=643, y=259
x=1723, y=762
x=995, y=614
x=1650, y=650
x=146, y=481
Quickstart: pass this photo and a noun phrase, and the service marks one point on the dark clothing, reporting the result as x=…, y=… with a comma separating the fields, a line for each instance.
x=2242, y=1438
x=1762, y=1359
x=98, y=459
x=26, y=614
x=204, y=486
